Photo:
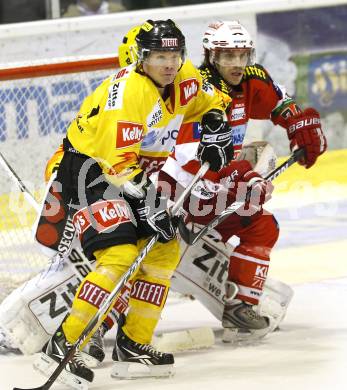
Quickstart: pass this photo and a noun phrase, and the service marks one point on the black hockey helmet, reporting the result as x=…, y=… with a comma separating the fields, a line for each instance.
x=160, y=35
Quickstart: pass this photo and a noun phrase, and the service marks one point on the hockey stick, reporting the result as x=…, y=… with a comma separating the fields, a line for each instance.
x=15, y=178
x=96, y=320
x=191, y=238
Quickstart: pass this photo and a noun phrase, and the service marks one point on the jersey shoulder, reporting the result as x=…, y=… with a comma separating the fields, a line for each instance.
x=211, y=76
x=124, y=88
x=257, y=72
x=187, y=71
x=108, y=92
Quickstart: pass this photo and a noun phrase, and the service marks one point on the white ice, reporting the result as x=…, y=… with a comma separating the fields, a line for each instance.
x=309, y=352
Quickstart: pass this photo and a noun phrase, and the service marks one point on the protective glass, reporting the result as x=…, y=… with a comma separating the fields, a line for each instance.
x=232, y=57
x=164, y=58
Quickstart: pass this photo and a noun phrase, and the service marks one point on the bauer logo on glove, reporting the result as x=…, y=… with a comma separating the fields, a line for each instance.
x=304, y=123
x=304, y=131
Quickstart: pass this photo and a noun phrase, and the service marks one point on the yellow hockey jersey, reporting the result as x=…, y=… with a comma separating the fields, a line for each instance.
x=125, y=124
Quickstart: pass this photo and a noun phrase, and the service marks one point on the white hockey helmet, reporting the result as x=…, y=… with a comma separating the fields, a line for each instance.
x=223, y=35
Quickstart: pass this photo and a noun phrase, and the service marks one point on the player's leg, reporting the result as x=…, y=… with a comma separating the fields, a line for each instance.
x=147, y=299
x=34, y=310
x=112, y=263
x=247, y=273
x=203, y=272
x=102, y=224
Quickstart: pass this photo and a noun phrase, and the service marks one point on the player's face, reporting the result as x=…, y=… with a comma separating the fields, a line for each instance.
x=231, y=64
x=162, y=66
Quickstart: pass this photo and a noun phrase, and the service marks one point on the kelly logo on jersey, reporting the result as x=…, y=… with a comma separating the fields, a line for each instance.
x=105, y=215
x=128, y=133
x=188, y=89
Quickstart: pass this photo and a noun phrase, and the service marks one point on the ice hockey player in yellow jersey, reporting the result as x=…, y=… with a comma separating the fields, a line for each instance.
x=124, y=130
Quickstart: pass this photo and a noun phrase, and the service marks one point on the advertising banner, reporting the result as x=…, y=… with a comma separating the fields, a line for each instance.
x=306, y=51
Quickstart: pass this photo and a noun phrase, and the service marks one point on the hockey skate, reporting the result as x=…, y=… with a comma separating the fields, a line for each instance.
x=134, y=360
x=241, y=322
x=94, y=352
x=76, y=374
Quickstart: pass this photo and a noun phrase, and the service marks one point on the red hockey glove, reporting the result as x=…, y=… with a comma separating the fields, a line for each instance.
x=239, y=177
x=260, y=189
x=304, y=131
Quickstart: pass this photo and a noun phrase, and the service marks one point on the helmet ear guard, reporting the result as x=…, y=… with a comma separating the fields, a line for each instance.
x=227, y=35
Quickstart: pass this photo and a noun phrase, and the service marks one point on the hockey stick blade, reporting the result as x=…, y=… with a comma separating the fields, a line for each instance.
x=96, y=320
x=32, y=388
x=191, y=238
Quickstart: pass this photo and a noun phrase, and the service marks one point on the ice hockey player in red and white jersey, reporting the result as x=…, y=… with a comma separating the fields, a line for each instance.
x=229, y=64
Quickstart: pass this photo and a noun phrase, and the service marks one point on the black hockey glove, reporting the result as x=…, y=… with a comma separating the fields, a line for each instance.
x=216, y=141
x=149, y=208
x=161, y=223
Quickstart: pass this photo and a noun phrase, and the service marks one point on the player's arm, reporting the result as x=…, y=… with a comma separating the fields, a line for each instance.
x=303, y=127
x=304, y=130
x=215, y=139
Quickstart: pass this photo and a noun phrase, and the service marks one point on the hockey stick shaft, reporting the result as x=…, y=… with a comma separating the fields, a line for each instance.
x=16, y=179
x=191, y=238
x=108, y=303
x=203, y=169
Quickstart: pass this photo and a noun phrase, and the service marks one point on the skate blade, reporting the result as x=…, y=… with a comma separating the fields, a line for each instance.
x=127, y=370
x=46, y=365
x=234, y=336
x=90, y=361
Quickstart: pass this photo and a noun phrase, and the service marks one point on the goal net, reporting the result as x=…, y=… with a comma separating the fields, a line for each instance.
x=37, y=102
